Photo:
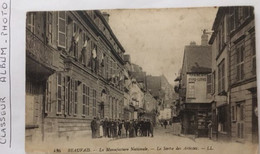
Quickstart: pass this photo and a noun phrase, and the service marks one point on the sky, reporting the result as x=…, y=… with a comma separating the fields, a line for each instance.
x=155, y=38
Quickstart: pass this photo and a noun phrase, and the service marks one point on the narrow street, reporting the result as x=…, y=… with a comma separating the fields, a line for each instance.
x=163, y=142
x=88, y=78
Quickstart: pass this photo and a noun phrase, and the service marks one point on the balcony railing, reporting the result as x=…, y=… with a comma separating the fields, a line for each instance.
x=38, y=50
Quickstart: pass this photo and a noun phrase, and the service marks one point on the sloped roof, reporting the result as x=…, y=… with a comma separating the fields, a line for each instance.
x=198, y=59
x=139, y=76
x=136, y=68
x=154, y=84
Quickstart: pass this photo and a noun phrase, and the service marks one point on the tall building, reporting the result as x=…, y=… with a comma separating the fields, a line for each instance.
x=194, y=89
x=234, y=48
x=221, y=128
x=74, y=72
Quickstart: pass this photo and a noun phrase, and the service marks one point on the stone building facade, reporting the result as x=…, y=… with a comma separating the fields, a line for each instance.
x=74, y=72
x=243, y=86
x=221, y=129
x=234, y=113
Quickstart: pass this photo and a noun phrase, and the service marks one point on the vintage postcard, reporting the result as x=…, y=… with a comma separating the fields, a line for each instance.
x=169, y=80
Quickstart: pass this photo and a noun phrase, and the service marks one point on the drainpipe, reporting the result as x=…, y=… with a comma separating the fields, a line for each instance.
x=44, y=96
x=229, y=80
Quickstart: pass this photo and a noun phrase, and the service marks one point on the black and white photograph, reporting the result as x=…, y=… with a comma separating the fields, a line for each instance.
x=161, y=80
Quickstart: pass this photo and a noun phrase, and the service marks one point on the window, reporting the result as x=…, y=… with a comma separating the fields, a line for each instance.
x=246, y=11
x=94, y=102
x=240, y=119
x=49, y=20
x=111, y=68
x=31, y=21
x=112, y=107
x=85, y=104
x=62, y=29
x=240, y=61
x=232, y=19
x=71, y=95
x=84, y=97
x=48, y=96
x=107, y=67
x=238, y=15
x=240, y=111
x=243, y=13
x=120, y=109
x=233, y=114
x=59, y=91
x=253, y=51
x=213, y=82
x=76, y=39
x=191, y=90
x=75, y=97
x=88, y=100
x=221, y=76
x=69, y=34
x=209, y=84
x=66, y=96
x=116, y=109
x=102, y=64
x=221, y=38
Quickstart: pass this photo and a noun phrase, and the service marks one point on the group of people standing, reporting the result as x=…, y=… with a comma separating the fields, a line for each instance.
x=119, y=128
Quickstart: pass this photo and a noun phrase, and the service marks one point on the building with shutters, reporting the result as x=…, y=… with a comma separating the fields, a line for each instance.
x=150, y=108
x=195, y=99
x=235, y=92
x=74, y=72
x=221, y=128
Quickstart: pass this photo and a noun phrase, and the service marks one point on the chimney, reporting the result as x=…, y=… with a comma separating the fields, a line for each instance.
x=106, y=16
x=204, y=38
x=192, y=43
x=127, y=58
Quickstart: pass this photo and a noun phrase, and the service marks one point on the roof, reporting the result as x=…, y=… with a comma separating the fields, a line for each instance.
x=219, y=15
x=136, y=68
x=139, y=76
x=154, y=84
x=197, y=59
x=127, y=58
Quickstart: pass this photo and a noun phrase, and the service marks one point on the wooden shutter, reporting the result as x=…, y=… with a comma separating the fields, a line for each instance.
x=48, y=96
x=70, y=98
x=66, y=95
x=62, y=29
x=63, y=94
x=59, y=93
x=83, y=100
x=209, y=84
x=75, y=97
x=88, y=100
x=49, y=27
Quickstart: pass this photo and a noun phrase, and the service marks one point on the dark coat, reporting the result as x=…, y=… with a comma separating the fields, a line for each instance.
x=127, y=125
x=93, y=125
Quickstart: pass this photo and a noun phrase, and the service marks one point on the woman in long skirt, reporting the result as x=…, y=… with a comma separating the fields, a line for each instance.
x=131, y=129
x=123, y=132
x=98, y=125
x=101, y=129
